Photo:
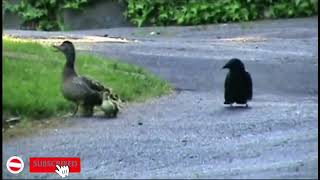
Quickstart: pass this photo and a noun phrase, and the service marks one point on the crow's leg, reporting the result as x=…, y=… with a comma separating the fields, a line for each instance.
x=76, y=110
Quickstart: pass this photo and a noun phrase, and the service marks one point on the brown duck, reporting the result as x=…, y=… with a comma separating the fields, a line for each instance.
x=81, y=90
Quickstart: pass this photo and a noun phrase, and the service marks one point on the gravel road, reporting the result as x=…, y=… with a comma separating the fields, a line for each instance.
x=190, y=133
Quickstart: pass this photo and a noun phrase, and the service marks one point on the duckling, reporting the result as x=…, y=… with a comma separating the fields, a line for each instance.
x=110, y=105
x=80, y=90
x=115, y=98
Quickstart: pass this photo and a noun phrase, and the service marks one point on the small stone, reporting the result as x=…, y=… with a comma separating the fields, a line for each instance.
x=154, y=33
x=13, y=119
x=140, y=123
x=184, y=141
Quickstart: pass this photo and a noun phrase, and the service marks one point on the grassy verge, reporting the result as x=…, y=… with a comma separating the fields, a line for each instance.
x=32, y=76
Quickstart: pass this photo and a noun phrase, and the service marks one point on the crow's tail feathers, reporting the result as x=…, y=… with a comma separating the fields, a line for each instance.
x=249, y=85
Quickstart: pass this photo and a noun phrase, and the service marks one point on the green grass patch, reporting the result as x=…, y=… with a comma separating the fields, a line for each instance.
x=32, y=76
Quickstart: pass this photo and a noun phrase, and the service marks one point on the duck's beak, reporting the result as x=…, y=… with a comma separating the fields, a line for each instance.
x=57, y=48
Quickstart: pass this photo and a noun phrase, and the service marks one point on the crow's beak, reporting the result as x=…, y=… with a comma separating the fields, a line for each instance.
x=227, y=65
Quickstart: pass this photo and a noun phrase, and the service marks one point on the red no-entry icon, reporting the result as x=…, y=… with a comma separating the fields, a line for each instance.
x=15, y=164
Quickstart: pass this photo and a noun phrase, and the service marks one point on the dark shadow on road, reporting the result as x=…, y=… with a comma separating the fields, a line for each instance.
x=237, y=108
x=225, y=110
x=104, y=118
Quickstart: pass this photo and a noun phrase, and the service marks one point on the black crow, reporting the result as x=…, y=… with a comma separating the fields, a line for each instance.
x=238, y=83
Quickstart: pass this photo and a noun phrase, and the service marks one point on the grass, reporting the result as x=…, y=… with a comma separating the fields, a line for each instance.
x=32, y=74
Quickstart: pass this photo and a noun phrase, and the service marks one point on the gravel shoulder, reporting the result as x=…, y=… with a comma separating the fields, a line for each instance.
x=191, y=134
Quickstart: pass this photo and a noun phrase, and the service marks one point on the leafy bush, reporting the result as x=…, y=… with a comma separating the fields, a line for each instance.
x=47, y=14
x=193, y=12
x=43, y=14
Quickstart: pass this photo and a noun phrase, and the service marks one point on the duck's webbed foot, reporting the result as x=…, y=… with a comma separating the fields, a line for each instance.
x=76, y=110
x=86, y=110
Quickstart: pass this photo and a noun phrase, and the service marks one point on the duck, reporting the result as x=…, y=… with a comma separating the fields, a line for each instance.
x=81, y=90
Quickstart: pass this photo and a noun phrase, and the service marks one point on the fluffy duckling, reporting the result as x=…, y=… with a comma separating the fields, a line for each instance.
x=111, y=104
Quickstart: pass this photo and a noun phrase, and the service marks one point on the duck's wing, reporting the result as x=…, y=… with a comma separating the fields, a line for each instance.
x=76, y=89
x=93, y=84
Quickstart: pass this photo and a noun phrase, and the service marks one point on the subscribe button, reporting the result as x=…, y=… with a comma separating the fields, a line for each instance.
x=48, y=164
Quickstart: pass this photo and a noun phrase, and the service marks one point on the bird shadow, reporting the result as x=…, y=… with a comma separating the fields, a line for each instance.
x=98, y=117
x=104, y=118
x=237, y=108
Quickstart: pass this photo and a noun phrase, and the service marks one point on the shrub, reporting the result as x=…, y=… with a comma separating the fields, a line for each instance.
x=44, y=14
x=193, y=12
x=47, y=14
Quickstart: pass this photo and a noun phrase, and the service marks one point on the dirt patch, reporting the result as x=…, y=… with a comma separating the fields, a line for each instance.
x=245, y=39
x=27, y=128
x=82, y=39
